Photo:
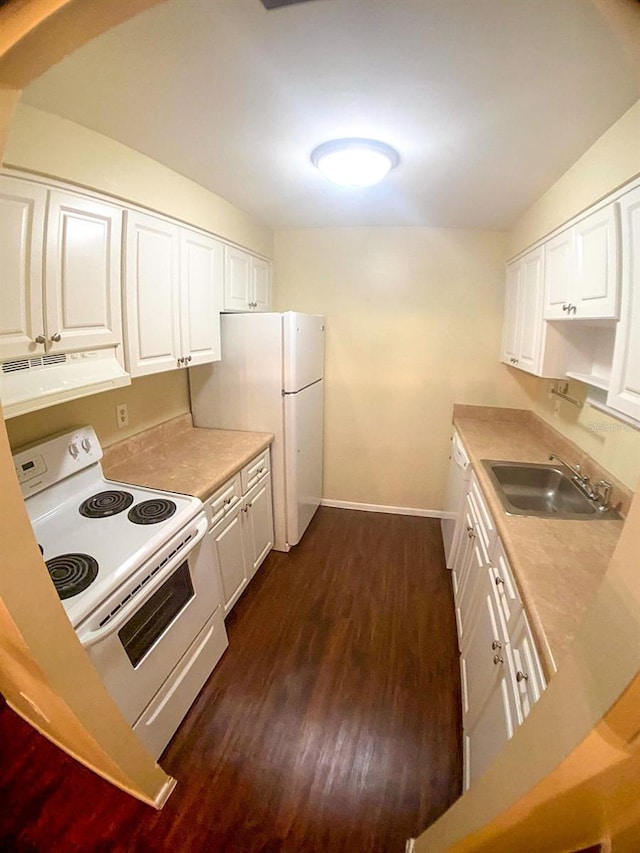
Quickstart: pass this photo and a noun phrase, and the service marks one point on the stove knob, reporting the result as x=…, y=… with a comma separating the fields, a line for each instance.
x=73, y=450
x=86, y=445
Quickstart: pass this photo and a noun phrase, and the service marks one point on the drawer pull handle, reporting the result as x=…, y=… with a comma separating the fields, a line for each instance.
x=499, y=580
x=260, y=470
x=227, y=501
x=496, y=645
x=521, y=676
x=497, y=659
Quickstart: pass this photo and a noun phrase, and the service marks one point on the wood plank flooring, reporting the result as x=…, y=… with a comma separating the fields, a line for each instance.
x=331, y=724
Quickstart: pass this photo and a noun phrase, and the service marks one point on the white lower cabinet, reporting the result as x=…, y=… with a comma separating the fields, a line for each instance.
x=501, y=675
x=242, y=527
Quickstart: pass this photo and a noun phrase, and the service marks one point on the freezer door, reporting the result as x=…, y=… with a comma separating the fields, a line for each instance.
x=303, y=349
x=303, y=454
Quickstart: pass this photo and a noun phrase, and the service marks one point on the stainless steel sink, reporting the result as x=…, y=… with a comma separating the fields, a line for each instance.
x=545, y=491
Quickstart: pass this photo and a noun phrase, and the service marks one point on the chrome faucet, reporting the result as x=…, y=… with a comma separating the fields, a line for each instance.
x=591, y=490
x=576, y=470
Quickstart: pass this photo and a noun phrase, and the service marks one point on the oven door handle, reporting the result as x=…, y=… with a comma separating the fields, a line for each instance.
x=90, y=638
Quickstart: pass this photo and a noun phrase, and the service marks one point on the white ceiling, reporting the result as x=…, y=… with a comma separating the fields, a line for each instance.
x=486, y=101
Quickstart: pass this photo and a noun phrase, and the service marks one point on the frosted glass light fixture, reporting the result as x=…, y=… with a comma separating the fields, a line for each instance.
x=355, y=162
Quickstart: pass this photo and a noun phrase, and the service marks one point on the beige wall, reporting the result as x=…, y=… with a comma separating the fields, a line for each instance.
x=151, y=400
x=612, y=161
x=44, y=143
x=414, y=318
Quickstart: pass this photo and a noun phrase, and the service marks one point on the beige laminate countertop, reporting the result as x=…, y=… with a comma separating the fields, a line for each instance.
x=558, y=564
x=182, y=458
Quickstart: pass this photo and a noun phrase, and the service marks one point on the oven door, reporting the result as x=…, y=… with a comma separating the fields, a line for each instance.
x=136, y=650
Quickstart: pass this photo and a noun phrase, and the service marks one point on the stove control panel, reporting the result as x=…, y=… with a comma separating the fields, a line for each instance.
x=54, y=459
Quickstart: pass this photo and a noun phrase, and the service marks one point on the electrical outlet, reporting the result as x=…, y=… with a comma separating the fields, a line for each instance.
x=122, y=415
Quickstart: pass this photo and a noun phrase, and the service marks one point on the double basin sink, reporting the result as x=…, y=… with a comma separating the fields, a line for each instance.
x=544, y=491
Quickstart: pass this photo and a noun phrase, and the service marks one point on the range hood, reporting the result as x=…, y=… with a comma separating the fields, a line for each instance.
x=28, y=384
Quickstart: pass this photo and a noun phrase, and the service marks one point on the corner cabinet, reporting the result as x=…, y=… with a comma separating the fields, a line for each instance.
x=173, y=294
x=60, y=257
x=247, y=281
x=527, y=341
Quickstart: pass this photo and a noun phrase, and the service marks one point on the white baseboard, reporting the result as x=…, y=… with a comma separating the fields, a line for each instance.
x=391, y=510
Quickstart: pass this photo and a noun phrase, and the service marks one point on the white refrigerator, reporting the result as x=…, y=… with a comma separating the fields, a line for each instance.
x=270, y=379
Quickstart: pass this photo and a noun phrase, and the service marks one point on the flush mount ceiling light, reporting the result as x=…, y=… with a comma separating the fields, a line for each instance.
x=354, y=162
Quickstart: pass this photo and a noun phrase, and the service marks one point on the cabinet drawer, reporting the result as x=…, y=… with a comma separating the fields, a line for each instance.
x=222, y=501
x=528, y=680
x=255, y=471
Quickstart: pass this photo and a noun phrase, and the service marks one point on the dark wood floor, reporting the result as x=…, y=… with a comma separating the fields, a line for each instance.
x=332, y=722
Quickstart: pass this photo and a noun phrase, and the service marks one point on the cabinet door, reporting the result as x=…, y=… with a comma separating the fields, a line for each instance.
x=486, y=659
x=624, y=389
x=151, y=288
x=201, y=274
x=530, y=320
x=227, y=540
x=510, y=335
x=258, y=524
x=261, y=285
x=597, y=265
x=22, y=212
x=559, y=275
x=83, y=273
x=493, y=728
x=237, y=279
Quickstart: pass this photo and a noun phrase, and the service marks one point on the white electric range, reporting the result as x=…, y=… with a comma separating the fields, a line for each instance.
x=136, y=575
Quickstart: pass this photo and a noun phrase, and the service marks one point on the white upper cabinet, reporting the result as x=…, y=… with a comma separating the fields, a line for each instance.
x=82, y=273
x=560, y=266
x=22, y=216
x=530, y=328
x=152, y=305
x=527, y=341
x=624, y=387
x=60, y=256
x=247, y=281
x=597, y=265
x=201, y=273
x=582, y=269
x=261, y=274
x=173, y=284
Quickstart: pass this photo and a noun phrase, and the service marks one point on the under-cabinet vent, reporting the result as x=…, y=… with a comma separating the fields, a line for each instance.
x=145, y=580
x=31, y=363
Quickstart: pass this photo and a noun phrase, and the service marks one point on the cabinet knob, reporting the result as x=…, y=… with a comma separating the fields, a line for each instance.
x=498, y=580
x=180, y=361
x=521, y=676
x=497, y=660
x=470, y=532
x=260, y=471
x=188, y=359
x=56, y=337
x=565, y=306
x=40, y=339
x=496, y=645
